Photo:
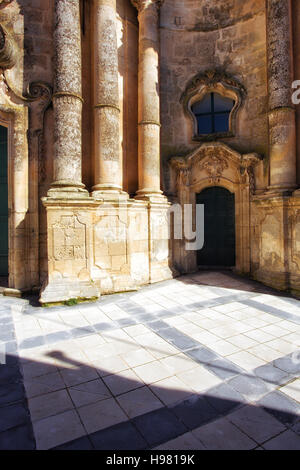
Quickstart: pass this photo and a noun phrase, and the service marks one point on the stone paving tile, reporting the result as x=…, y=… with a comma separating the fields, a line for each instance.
x=139, y=402
x=281, y=407
x=172, y=390
x=285, y=441
x=292, y=390
x=138, y=357
x=101, y=415
x=202, y=355
x=284, y=347
x=246, y=360
x=50, y=404
x=18, y=438
x=123, y=382
x=224, y=398
x=288, y=364
x=123, y=436
x=12, y=416
x=195, y=411
x=56, y=430
x=224, y=369
x=296, y=427
x=159, y=426
x=178, y=363
x=41, y=385
x=78, y=375
x=185, y=442
x=83, y=443
x=271, y=374
x=256, y=423
x=222, y=435
x=199, y=379
x=89, y=392
x=152, y=372
x=109, y=365
x=252, y=388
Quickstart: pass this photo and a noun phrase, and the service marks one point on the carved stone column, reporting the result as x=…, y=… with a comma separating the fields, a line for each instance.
x=281, y=111
x=67, y=101
x=108, y=164
x=149, y=100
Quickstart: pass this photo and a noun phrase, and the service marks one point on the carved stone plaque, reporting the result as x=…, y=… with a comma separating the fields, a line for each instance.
x=69, y=239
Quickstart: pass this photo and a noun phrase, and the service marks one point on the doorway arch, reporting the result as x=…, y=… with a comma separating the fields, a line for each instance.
x=219, y=248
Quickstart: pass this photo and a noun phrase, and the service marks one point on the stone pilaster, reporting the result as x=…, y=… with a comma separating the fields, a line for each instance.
x=149, y=99
x=281, y=111
x=67, y=101
x=107, y=162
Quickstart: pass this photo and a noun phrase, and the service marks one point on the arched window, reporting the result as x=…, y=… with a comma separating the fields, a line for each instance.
x=212, y=114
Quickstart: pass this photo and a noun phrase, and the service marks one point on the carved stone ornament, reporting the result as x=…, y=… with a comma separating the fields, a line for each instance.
x=182, y=172
x=8, y=49
x=211, y=78
x=214, y=167
x=69, y=239
x=213, y=159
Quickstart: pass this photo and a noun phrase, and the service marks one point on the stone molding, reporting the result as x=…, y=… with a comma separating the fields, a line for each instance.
x=214, y=158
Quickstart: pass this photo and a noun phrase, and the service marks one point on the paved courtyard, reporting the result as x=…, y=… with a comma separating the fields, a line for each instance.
x=205, y=361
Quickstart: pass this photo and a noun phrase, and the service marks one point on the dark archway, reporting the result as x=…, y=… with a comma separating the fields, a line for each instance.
x=3, y=202
x=219, y=228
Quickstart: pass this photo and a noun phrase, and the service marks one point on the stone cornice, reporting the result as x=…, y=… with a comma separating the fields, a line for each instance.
x=143, y=4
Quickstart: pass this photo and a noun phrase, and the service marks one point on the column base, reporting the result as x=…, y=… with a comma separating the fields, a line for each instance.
x=151, y=196
x=65, y=190
x=104, y=192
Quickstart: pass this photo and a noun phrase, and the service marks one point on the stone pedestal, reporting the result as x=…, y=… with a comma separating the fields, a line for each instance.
x=275, y=242
x=70, y=251
x=67, y=221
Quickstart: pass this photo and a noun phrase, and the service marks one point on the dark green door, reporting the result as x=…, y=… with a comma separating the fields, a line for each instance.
x=3, y=203
x=219, y=227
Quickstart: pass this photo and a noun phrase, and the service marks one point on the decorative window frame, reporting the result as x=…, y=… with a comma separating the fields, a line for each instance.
x=212, y=82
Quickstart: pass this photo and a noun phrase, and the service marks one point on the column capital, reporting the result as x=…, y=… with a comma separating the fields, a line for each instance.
x=141, y=5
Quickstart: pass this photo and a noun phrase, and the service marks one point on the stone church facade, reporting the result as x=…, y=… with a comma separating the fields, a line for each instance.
x=115, y=113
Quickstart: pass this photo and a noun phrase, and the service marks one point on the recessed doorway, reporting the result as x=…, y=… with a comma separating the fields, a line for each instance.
x=219, y=228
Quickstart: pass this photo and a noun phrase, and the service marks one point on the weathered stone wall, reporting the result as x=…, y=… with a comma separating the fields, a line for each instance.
x=229, y=35
x=275, y=246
